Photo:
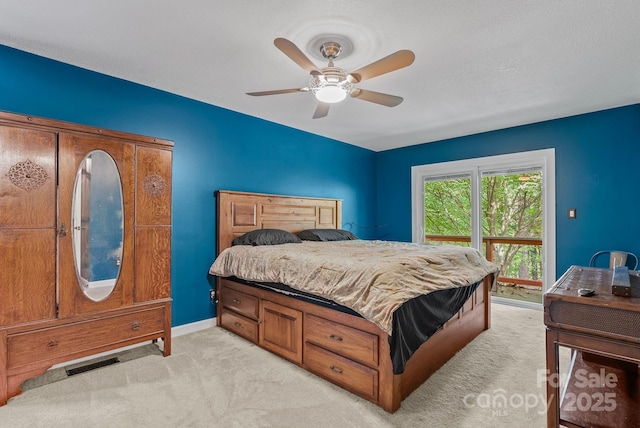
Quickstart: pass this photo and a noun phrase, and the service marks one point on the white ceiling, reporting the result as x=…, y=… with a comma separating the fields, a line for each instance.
x=480, y=65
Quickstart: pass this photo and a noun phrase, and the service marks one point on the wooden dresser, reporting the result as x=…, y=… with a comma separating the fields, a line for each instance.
x=85, y=238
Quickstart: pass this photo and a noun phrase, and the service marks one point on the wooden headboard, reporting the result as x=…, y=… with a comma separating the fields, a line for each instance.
x=241, y=212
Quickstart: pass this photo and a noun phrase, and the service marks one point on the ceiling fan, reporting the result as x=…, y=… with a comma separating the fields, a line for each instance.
x=332, y=84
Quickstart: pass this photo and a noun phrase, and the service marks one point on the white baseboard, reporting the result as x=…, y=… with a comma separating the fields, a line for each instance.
x=193, y=327
x=175, y=332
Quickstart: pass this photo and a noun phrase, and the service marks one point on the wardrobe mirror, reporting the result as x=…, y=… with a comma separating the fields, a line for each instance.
x=97, y=224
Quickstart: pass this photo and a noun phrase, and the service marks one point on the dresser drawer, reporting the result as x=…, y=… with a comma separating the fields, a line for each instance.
x=241, y=303
x=55, y=342
x=240, y=325
x=341, y=339
x=352, y=376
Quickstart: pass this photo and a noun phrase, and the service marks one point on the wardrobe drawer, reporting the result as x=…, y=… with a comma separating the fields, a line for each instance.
x=240, y=325
x=341, y=339
x=241, y=303
x=352, y=376
x=55, y=342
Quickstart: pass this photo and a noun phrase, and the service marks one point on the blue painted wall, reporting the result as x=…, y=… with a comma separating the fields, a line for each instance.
x=597, y=172
x=214, y=149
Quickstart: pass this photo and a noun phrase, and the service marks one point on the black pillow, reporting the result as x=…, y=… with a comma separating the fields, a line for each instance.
x=326, y=235
x=266, y=237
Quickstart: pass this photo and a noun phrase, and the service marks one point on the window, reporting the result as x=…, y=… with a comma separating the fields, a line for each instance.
x=471, y=174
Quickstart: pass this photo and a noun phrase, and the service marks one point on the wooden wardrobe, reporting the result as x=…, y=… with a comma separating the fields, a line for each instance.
x=85, y=244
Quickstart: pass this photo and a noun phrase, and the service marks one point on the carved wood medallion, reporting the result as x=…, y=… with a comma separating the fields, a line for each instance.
x=154, y=185
x=27, y=175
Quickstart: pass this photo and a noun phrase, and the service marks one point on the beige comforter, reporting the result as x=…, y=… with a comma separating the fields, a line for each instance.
x=371, y=277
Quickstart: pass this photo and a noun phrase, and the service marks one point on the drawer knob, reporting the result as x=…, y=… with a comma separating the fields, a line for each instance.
x=237, y=324
x=52, y=343
x=335, y=369
x=236, y=301
x=135, y=325
x=336, y=338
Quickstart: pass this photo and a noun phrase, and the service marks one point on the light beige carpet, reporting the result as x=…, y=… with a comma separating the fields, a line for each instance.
x=216, y=379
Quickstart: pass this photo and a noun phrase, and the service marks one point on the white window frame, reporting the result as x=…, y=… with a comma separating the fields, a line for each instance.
x=543, y=159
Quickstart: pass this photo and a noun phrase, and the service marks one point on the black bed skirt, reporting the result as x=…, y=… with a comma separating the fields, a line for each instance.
x=413, y=323
x=419, y=318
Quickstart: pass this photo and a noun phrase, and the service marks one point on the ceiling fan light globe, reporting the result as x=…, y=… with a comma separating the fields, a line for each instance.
x=330, y=87
x=330, y=94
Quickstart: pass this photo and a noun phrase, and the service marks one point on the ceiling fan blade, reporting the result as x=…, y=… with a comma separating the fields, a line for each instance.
x=292, y=51
x=393, y=62
x=322, y=110
x=278, y=91
x=376, y=97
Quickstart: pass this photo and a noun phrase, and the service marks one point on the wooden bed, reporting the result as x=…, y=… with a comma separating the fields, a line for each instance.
x=345, y=349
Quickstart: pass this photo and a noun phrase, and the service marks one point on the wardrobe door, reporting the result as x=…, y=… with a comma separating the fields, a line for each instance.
x=153, y=224
x=27, y=225
x=96, y=204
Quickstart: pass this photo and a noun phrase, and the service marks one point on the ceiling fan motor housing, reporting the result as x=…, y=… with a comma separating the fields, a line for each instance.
x=330, y=50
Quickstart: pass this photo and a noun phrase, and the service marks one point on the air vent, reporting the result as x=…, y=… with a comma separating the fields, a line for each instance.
x=92, y=366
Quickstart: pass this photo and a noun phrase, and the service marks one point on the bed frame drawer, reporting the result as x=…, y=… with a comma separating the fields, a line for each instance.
x=240, y=325
x=352, y=376
x=241, y=303
x=344, y=340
